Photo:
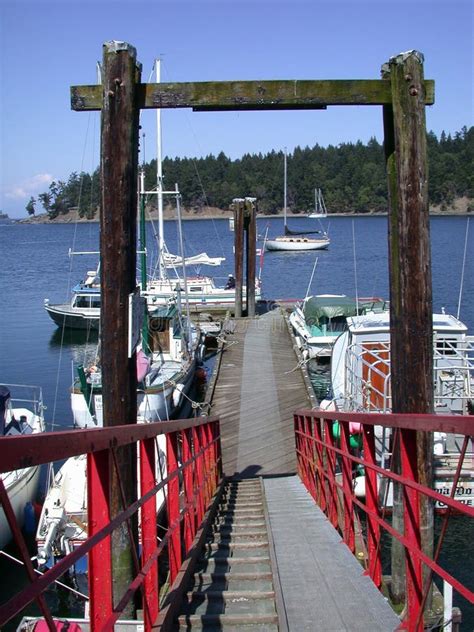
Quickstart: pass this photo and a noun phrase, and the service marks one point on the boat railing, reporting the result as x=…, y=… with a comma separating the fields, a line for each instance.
x=328, y=466
x=27, y=396
x=193, y=474
x=368, y=375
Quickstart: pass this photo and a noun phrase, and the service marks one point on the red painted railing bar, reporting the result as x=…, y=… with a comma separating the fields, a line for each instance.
x=199, y=474
x=349, y=533
x=454, y=424
x=371, y=497
x=100, y=558
x=411, y=520
x=321, y=482
x=454, y=504
x=174, y=544
x=331, y=474
x=326, y=453
x=189, y=518
x=149, y=532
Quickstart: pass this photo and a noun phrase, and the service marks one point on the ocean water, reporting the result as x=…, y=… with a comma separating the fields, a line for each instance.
x=36, y=265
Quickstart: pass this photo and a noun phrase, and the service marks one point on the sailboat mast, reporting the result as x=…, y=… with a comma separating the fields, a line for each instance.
x=159, y=180
x=284, y=189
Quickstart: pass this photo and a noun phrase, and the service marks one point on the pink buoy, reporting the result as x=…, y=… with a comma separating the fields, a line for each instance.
x=355, y=427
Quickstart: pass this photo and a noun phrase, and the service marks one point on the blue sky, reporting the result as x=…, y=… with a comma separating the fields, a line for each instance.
x=48, y=46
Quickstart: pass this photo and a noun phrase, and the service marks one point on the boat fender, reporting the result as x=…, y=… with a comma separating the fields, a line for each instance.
x=30, y=518
x=177, y=395
x=201, y=353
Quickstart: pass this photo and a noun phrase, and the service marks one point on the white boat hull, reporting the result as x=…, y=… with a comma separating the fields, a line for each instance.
x=22, y=488
x=296, y=244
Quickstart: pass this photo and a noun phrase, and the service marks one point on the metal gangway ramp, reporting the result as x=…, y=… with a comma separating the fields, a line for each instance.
x=316, y=582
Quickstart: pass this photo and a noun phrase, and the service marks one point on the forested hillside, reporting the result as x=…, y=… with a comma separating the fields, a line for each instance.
x=351, y=175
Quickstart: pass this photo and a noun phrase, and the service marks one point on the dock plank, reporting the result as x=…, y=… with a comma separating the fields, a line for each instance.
x=256, y=393
x=323, y=586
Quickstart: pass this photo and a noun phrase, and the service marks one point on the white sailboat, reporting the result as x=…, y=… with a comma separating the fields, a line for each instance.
x=202, y=290
x=320, y=210
x=295, y=241
x=21, y=416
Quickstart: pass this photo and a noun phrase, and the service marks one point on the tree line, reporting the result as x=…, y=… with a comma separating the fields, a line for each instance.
x=351, y=175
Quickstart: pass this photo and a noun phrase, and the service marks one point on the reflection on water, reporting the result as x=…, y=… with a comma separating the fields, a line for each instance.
x=70, y=337
x=320, y=376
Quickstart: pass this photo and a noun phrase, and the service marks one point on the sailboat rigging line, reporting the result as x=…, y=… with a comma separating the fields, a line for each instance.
x=355, y=268
x=311, y=278
x=58, y=372
x=38, y=572
x=183, y=257
x=463, y=268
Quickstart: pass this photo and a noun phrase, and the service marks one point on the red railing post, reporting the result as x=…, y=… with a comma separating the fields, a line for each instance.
x=174, y=525
x=189, y=516
x=297, y=425
x=331, y=469
x=217, y=437
x=348, y=505
x=100, y=557
x=411, y=517
x=207, y=439
x=310, y=456
x=149, y=531
x=320, y=478
x=198, y=476
x=371, y=499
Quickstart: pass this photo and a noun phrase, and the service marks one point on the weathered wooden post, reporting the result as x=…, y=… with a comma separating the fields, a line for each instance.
x=118, y=234
x=238, y=207
x=411, y=310
x=250, y=246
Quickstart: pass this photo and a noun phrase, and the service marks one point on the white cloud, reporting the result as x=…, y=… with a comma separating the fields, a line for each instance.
x=35, y=184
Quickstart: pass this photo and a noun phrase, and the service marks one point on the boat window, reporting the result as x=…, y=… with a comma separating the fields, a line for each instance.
x=82, y=301
x=195, y=288
x=446, y=346
x=95, y=302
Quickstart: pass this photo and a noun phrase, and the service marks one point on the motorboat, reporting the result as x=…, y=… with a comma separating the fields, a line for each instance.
x=83, y=310
x=319, y=320
x=361, y=382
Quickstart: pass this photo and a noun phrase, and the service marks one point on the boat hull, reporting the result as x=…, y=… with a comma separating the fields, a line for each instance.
x=64, y=316
x=295, y=245
x=22, y=488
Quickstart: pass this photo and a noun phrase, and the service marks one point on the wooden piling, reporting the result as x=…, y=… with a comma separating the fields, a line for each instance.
x=238, y=206
x=411, y=308
x=118, y=233
x=251, y=243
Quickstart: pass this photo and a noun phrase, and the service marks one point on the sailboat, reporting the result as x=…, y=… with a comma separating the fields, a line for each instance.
x=320, y=210
x=296, y=240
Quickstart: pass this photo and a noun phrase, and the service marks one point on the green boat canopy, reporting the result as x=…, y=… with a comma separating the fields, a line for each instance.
x=318, y=310
x=324, y=308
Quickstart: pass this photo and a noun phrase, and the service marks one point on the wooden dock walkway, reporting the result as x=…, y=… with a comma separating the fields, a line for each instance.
x=259, y=386
x=317, y=584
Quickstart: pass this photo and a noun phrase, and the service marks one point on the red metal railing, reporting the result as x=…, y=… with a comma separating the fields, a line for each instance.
x=194, y=470
x=326, y=464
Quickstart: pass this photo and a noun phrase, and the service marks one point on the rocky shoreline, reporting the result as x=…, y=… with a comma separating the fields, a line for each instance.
x=460, y=206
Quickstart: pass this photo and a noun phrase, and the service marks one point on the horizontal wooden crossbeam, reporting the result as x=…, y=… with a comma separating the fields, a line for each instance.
x=252, y=95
